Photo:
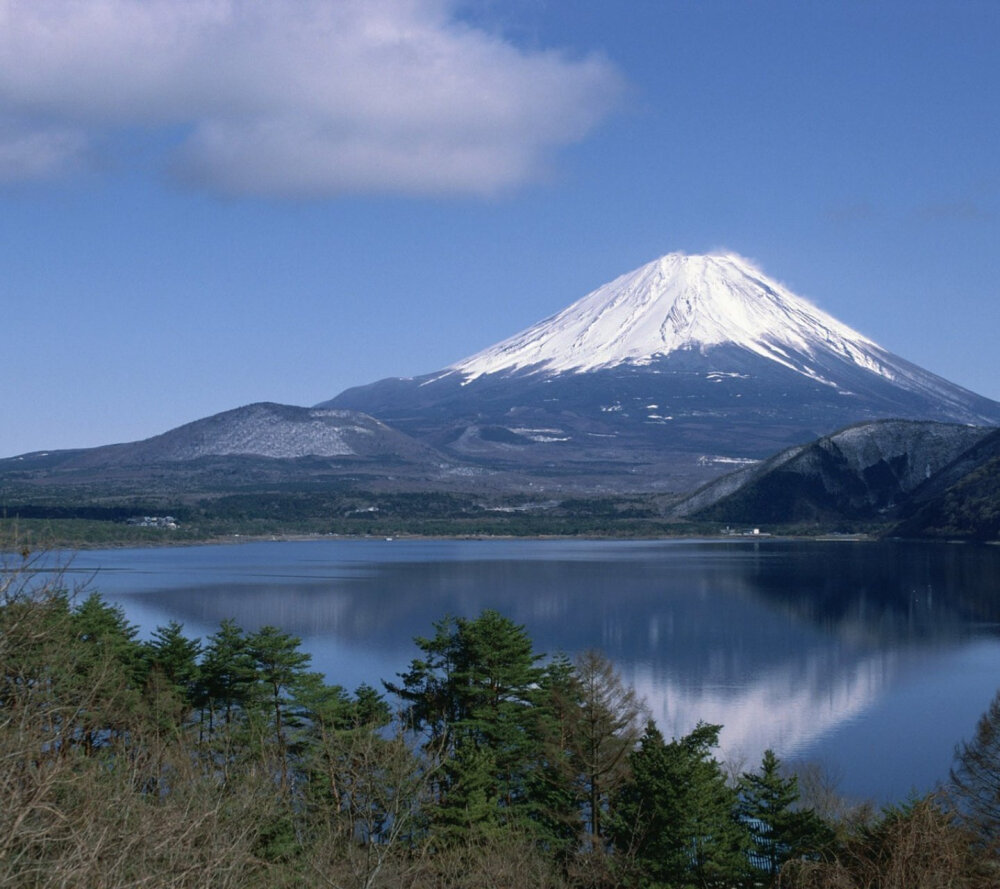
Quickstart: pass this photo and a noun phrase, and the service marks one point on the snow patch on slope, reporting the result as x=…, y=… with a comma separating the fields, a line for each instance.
x=263, y=431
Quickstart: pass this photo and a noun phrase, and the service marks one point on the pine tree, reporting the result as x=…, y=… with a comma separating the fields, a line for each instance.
x=370, y=708
x=104, y=629
x=226, y=674
x=279, y=667
x=675, y=818
x=468, y=811
x=779, y=830
x=172, y=682
x=552, y=785
x=474, y=693
x=176, y=657
x=497, y=677
x=107, y=668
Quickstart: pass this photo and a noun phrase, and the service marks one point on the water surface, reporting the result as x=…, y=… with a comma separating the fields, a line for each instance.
x=875, y=658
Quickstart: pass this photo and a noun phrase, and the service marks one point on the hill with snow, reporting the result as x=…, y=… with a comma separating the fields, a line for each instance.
x=261, y=444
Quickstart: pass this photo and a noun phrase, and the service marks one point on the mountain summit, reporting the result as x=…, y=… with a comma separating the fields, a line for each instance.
x=674, y=303
x=664, y=377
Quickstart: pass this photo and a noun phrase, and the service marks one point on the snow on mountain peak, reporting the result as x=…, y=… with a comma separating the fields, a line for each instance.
x=679, y=302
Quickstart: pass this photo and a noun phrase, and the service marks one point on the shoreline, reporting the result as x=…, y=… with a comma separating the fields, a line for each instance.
x=240, y=539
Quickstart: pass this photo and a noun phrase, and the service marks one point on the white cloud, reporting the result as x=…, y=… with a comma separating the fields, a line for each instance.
x=293, y=97
x=33, y=153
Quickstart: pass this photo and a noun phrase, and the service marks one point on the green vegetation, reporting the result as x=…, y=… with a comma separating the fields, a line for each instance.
x=228, y=762
x=72, y=518
x=63, y=522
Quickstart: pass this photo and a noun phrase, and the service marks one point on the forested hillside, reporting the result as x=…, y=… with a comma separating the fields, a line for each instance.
x=228, y=762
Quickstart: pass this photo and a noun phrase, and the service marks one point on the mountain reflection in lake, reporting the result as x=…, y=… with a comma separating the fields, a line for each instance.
x=876, y=658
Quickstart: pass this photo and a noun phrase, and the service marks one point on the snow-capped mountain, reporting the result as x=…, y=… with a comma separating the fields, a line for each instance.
x=680, y=302
x=667, y=375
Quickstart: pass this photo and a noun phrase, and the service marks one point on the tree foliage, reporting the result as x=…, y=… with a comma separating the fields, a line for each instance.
x=677, y=815
x=779, y=828
x=604, y=728
x=173, y=763
x=473, y=693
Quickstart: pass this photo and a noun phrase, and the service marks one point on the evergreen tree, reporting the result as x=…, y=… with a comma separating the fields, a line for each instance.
x=106, y=671
x=675, y=818
x=176, y=657
x=779, y=830
x=468, y=810
x=279, y=668
x=108, y=635
x=327, y=709
x=432, y=705
x=331, y=717
x=474, y=692
x=553, y=780
x=497, y=677
x=226, y=674
x=370, y=708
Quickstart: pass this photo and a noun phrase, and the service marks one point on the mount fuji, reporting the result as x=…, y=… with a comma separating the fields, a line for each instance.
x=663, y=378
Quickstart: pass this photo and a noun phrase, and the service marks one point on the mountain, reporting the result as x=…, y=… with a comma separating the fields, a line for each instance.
x=865, y=472
x=260, y=443
x=661, y=379
x=653, y=384
x=962, y=501
x=277, y=431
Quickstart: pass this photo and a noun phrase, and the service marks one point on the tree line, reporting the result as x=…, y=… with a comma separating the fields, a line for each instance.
x=181, y=762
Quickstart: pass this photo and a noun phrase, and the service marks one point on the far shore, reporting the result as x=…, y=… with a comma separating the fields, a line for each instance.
x=167, y=539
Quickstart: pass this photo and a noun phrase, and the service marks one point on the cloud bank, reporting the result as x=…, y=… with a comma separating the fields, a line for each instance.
x=307, y=98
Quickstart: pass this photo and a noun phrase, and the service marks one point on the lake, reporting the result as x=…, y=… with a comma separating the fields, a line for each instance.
x=873, y=658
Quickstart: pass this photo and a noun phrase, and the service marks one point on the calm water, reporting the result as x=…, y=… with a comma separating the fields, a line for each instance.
x=874, y=658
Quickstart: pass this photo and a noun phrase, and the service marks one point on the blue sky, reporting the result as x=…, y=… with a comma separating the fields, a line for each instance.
x=215, y=202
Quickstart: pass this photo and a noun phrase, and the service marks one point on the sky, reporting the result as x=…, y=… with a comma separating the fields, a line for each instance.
x=209, y=203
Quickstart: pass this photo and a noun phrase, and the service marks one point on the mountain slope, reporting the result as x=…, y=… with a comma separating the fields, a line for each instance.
x=859, y=473
x=662, y=379
x=276, y=431
x=962, y=501
x=260, y=443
